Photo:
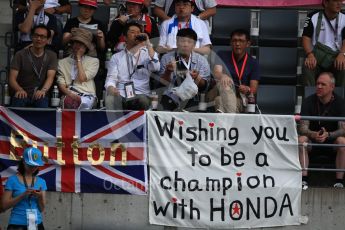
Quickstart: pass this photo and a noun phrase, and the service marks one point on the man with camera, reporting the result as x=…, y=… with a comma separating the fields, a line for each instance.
x=128, y=78
x=134, y=13
x=185, y=72
x=324, y=103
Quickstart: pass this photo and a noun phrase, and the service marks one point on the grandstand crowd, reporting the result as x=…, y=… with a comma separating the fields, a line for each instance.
x=162, y=62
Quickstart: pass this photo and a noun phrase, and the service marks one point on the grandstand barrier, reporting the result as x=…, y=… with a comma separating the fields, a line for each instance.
x=327, y=162
x=76, y=211
x=323, y=208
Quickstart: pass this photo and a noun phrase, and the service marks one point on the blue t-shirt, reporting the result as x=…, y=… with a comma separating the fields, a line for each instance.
x=18, y=213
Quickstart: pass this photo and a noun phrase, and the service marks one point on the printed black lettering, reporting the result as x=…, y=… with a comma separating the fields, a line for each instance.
x=165, y=127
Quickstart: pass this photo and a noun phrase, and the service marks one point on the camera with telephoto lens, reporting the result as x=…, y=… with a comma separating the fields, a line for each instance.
x=141, y=37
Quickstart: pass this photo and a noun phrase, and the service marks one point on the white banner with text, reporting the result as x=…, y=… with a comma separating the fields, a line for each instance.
x=223, y=170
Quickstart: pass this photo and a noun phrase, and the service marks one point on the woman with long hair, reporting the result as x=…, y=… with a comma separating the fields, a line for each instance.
x=25, y=193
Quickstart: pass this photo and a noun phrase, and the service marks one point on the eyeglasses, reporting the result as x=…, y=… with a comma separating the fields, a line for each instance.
x=40, y=36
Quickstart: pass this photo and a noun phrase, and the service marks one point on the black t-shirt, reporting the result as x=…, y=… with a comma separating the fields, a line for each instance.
x=74, y=22
x=311, y=106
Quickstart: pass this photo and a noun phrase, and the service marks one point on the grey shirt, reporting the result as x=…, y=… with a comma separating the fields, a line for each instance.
x=198, y=62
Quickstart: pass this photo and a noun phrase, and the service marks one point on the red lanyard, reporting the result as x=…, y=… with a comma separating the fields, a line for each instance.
x=243, y=66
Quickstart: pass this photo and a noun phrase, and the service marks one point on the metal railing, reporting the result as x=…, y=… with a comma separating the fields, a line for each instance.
x=323, y=145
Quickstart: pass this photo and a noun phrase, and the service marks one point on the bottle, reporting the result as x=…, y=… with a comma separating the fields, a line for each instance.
x=202, y=103
x=101, y=104
x=55, y=100
x=108, y=55
x=154, y=100
x=104, y=94
x=7, y=98
x=298, y=105
x=60, y=54
x=298, y=108
x=251, y=103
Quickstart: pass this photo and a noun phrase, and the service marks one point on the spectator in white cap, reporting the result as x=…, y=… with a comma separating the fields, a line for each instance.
x=25, y=193
x=76, y=72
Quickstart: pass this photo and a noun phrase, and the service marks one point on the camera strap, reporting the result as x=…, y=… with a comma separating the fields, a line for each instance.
x=181, y=67
x=323, y=109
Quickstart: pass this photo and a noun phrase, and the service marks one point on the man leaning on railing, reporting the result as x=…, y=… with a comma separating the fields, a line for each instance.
x=324, y=103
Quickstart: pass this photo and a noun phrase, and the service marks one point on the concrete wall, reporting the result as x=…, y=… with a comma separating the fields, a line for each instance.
x=324, y=208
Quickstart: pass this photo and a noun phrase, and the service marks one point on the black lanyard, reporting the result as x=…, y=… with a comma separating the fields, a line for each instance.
x=26, y=186
x=38, y=73
x=326, y=108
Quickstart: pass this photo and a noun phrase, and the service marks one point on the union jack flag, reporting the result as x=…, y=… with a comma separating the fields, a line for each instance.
x=86, y=151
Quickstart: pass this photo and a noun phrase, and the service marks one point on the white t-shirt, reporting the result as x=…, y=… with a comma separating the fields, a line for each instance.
x=326, y=36
x=169, y=29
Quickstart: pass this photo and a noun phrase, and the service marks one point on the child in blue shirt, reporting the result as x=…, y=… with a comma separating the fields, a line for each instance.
x=25, y=192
